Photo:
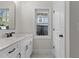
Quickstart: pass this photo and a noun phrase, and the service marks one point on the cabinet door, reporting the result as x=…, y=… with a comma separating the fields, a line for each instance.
x=30, y=47
x=3, y=54
x=26, y=48
x=9, y=52
x=24, y=44
x=15, y=55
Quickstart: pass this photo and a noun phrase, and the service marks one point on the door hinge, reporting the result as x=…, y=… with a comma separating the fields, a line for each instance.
x=53, y=46
x=53, y=11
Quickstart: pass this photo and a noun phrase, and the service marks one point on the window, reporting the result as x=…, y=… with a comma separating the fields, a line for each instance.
x=42, y=22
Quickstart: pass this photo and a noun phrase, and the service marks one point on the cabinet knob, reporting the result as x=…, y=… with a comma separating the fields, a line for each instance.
x=19, y=55
x=26, y=47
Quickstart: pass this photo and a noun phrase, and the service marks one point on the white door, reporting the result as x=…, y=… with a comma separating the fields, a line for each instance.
x=58, y=25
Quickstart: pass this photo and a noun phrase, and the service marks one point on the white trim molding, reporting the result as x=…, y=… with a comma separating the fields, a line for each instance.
x=67, y=46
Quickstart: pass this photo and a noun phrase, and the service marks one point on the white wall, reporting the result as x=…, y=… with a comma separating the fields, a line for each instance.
x=28, y=10
x=18, y=18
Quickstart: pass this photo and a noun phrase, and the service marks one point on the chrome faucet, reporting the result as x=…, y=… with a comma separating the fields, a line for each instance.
x=9, y=34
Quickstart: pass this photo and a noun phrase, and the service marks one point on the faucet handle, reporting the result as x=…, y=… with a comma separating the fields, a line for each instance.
x=7, y=35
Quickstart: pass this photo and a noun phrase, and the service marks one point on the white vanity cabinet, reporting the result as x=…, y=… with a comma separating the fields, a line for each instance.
x=10, y=52
x=16, y=47
x=26, y=47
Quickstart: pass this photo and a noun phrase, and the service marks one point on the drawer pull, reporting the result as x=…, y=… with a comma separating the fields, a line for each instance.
x=26, y=47
x=11, y=51
x=19, y=55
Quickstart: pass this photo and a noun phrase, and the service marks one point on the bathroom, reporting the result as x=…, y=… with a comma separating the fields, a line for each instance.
x=37, y=29
x=32, y=20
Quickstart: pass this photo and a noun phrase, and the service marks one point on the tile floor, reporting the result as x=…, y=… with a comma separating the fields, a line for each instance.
x=43, y=55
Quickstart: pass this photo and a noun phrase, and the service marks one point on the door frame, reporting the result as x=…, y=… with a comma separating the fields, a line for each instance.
x=67, y=28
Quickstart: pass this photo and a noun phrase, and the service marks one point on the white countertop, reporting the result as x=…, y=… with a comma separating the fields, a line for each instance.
x=5, y=42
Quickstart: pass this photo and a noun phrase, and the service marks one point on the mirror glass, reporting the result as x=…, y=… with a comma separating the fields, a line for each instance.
x=4, y=18
x=7, y=20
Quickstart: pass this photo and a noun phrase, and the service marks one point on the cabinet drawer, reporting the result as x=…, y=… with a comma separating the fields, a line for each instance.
x=9, y=51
